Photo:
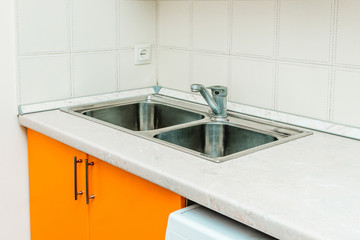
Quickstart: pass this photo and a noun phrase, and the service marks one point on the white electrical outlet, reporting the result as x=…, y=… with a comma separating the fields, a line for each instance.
x=142, y=54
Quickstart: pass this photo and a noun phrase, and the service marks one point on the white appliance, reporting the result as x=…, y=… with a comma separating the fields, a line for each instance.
x=199, y=223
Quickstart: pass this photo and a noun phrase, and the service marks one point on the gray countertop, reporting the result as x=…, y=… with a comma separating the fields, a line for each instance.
x=308, y=188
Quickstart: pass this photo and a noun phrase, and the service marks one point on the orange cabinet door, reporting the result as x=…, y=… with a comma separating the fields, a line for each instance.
x=54, y=212
x=126, y=206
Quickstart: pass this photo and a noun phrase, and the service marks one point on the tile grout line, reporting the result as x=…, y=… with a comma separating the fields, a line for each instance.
x=118, y=69
x=191, y=27
x=190, y=41
x=229, y=46
x=243, y=56
x=261, y=58
x=276, y=53
x=118, y=32
x=276, y=86
x=157, y=35
x=71, y=39
x=331, y=87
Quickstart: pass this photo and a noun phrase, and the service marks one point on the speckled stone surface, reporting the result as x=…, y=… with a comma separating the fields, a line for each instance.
x=308, y=188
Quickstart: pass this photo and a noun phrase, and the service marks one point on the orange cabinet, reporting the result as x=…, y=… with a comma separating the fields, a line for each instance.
x=121, y=205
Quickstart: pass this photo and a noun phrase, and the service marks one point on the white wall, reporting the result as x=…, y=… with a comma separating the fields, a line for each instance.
x=72, y=48
x=295, y=56
x=14, y=200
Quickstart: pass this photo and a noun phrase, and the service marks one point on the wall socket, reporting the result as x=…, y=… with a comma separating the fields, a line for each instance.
x=142, y=54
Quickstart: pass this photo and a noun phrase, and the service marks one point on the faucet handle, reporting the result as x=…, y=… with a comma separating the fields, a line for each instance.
x=218, y=91
x=196, y=87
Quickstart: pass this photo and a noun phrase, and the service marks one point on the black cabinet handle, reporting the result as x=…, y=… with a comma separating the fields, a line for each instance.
x=87, y=180
x=76, y=193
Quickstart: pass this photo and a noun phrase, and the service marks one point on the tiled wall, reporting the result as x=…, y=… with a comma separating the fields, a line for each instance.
x=72, y=48
x=295, y=56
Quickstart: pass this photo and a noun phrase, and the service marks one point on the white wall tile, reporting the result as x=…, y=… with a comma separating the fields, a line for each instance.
x=253, y=28
x=305, y=30
x=43, y=26
x=174, y=69
x=44, y=78
x=94, y=24
x=348, y=33
x=210, y=25
x=94, y=73
x=252, y=82
x=136, y=76
x=346, y=97
x=137, y=23
x=303, y=90
x=209, y=70
x=174, y=23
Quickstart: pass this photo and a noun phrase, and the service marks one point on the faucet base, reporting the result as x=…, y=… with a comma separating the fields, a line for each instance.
x=216, y=118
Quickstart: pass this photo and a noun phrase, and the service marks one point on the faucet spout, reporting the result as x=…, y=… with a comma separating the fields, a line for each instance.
x=206, y=95
x=216, y=101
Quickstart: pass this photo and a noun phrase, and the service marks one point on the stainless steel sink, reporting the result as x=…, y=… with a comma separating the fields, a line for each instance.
x=143, y=113
x=188, y=127
x=143, y=116
x=216, y=140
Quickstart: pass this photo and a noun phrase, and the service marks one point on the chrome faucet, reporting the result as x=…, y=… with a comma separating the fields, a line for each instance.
x=217, y=101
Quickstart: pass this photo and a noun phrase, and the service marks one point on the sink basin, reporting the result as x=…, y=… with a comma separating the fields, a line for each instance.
x=143, y=116
x=216, y=140
x=187, y=126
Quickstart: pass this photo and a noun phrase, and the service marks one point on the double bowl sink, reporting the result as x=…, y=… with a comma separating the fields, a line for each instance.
x=188, y=127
